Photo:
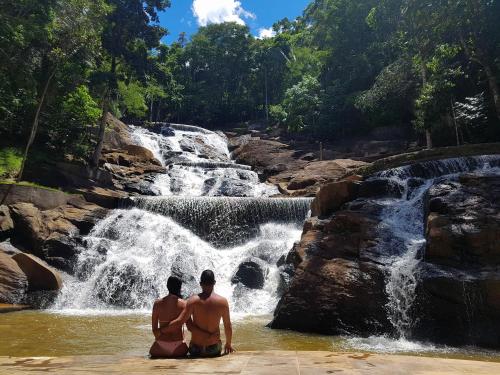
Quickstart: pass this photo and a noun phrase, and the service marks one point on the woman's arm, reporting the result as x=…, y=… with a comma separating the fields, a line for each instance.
x=154, y=321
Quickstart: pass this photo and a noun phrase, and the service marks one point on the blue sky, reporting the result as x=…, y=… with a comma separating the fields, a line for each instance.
x=259, y=15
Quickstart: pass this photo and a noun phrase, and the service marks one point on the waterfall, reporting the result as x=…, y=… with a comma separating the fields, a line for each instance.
x=212, y=214
x=402, y=228
x=199, y=164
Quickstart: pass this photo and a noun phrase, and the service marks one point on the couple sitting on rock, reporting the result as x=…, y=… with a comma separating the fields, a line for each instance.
x=201, y=313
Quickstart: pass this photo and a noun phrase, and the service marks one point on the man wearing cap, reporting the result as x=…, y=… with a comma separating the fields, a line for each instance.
x=206, y=310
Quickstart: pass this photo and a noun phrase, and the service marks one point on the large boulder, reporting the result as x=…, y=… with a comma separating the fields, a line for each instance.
x=267, y=157
x=458, y=307
x=332, y=196
x=463, y=225
x=53, y=235
x=13, y=281
x=140, y=152
x=251, y=273
x=29, y=227
x=335, y=287
x=459, y=293
x=117, y=133
x=40, y=276
x=308, y=180
x=6, y=223
x=42, y=198
x=106, y=198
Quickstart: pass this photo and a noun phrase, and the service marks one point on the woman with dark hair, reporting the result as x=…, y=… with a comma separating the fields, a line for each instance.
x=169, y=342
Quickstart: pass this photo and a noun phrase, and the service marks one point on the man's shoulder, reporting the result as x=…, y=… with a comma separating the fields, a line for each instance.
x=193, y=299
x=220, y=299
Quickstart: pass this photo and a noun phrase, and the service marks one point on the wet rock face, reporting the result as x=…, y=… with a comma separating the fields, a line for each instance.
x=458, y=307
x=13, y=281
x=463, y=226
x=121, y=286
x=334, y=279
x=336, y=288
x=459, y=293
x=53, y=235
x=251, y=273
x=40, y=276
x=378, y=188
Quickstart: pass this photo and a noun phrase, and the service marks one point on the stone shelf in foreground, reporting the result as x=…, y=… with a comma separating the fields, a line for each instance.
x=255, y=363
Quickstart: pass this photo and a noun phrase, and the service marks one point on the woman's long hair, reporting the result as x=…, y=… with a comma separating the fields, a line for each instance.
x=174, y=286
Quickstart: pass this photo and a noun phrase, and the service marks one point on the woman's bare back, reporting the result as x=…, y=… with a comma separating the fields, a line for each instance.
x=167, y=309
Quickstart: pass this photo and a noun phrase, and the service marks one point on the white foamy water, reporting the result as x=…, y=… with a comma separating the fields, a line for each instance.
x=131, y=254
x=402, y=221
x=199, y=164
x=384, y=344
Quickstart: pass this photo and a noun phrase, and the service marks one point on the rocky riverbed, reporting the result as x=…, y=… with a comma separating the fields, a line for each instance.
x=409, y=252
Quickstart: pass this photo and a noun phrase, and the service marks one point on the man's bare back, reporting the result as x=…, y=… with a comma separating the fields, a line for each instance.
x=207, y=312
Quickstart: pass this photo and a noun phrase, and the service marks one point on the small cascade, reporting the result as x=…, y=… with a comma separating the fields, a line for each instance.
x=402, y=229
x=199, y=164
x=227, y=221
x=190, y=128
x=213, y=165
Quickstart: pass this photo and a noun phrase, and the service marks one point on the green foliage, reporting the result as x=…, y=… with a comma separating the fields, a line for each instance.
x=132, y=99
x=389, y=100
x=69, y=126
x=302, y=102
x=340, y=69
x=277, y=114
x=435, y=93
x=10, y=161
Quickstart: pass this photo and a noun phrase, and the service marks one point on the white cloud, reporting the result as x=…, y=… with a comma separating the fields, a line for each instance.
x=218, y=11
x=266, y=33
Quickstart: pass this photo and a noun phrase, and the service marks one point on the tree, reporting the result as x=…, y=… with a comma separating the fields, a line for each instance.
x=301, y=104
x=476, y=23
x=131, y=32
x=217, y=68
x=73, y=30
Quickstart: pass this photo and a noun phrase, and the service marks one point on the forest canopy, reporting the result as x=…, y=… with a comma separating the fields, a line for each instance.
x=342, y=68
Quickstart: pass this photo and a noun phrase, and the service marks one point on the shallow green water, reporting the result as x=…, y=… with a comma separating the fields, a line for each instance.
x=41, y=333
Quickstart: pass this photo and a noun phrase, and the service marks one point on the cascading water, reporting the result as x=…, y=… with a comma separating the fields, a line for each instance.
x=213, y=214
x=199, y=164
x=402, y=228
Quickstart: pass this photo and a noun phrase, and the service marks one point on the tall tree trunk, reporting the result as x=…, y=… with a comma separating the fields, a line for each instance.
x=158, y=110
x=428, y=134
x=267, y=97
x=34, y=128
x=495, y=91
x=151, y=111
x=454, y=122
x=94, y=161
x=102, y=131
x=480, y=58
